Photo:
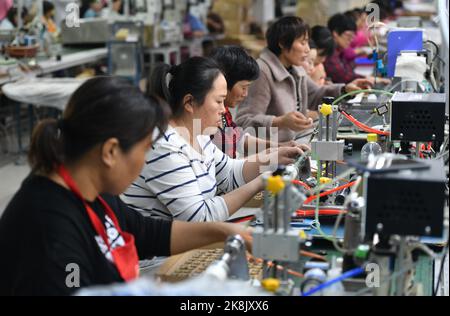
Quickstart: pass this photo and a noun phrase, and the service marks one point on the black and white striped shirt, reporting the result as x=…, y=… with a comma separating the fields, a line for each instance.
x=180, y=183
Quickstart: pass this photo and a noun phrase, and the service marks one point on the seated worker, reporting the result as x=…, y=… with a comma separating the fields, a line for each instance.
x=240, y=71
x=47, y=17
x=185, y=171
x=324, y=43
x=65, y=229
x=308, y=63
x=361, y=37
x=283, y=95
x=337, y=66
x=10, y=20
x=91, y=8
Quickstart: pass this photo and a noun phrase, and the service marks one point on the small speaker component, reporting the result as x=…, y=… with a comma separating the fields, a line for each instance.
x=417, y=117
x=408, y=202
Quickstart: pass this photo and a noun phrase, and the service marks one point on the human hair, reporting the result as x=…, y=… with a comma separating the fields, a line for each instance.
x=195, y=76
x=354, y=14
x=47, y=6
x=284, y=32
x=341, y=23
x=100, y=109
x=12, y=13
x=236, y=64
x=323, y=40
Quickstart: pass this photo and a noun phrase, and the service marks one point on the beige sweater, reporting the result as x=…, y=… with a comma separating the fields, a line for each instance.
x=273, y=94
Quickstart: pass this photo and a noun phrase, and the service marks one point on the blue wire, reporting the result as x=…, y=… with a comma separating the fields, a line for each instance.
x=346, y=275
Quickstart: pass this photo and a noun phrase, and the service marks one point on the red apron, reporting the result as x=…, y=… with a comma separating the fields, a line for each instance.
x=125, y=257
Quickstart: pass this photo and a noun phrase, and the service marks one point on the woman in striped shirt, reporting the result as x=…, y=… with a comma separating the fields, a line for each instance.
x=186, y=176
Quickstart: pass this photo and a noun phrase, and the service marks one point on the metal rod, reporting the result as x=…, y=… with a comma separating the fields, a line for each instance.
x=266, y=207
x=320, y=127
x=287, y=207
x=275, y=214
x=334, y=129
x=328, y=129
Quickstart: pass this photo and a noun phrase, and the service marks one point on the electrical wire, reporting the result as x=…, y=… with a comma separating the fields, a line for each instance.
x=303, y=184
x=375, y=91
x=322, y=212
x=279, y=267
x=312, y=255
x=346, y=275
x=311, y=198
x=362, y=126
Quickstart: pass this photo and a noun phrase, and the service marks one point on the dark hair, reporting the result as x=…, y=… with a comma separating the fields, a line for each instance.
x=321, y=36
x=341, y=23
x=47, y=7
x=354, y=14
x=101, y=108
x=195, y=76
x=284, y=32
x=236, y=64
x=12, y=13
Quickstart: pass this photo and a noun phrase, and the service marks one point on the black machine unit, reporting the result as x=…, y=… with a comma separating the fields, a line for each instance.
x=418, y=117
x=407, y=202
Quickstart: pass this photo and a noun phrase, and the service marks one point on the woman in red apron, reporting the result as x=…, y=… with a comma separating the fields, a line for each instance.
x=67, y=219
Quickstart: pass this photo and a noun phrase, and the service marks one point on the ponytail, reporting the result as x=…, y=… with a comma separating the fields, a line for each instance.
x=46, y=149
x=100, y=109
x=157, y=84
x=172, y=83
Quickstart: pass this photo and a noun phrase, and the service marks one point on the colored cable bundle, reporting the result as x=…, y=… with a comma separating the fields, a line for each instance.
x=363, y=126
x=311, y=198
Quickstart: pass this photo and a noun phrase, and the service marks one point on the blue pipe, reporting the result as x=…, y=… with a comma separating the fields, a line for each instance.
x=346, y=275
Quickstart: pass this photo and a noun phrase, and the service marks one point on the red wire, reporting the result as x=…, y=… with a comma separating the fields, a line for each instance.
x=363, y=126
x=243, y=219
x=324, y=212
x=329, y=192
x=302, y=184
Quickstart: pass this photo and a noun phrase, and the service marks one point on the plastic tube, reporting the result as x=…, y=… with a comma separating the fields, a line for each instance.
x=346, y=275
x=311, y=198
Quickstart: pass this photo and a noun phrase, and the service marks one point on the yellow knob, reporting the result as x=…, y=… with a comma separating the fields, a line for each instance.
x=372, y=137
x=302, y=234
x=324, y=180
x=270, y=284
x=275, y=184
x=326, y=109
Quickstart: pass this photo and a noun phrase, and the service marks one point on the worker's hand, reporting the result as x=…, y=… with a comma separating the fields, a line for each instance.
x=359, y=84
x=293, y=143
x=283, y=155
x=383, y=81
x=244, y=232
x=295, y=121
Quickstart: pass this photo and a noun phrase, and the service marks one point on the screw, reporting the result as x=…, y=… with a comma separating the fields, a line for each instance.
x=427, y=230
x=379, y=226
x=433, y=137
x=401, y=135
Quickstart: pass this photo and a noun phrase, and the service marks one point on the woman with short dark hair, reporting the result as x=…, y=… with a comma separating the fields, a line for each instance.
x=283, y=95
x=240, y=70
